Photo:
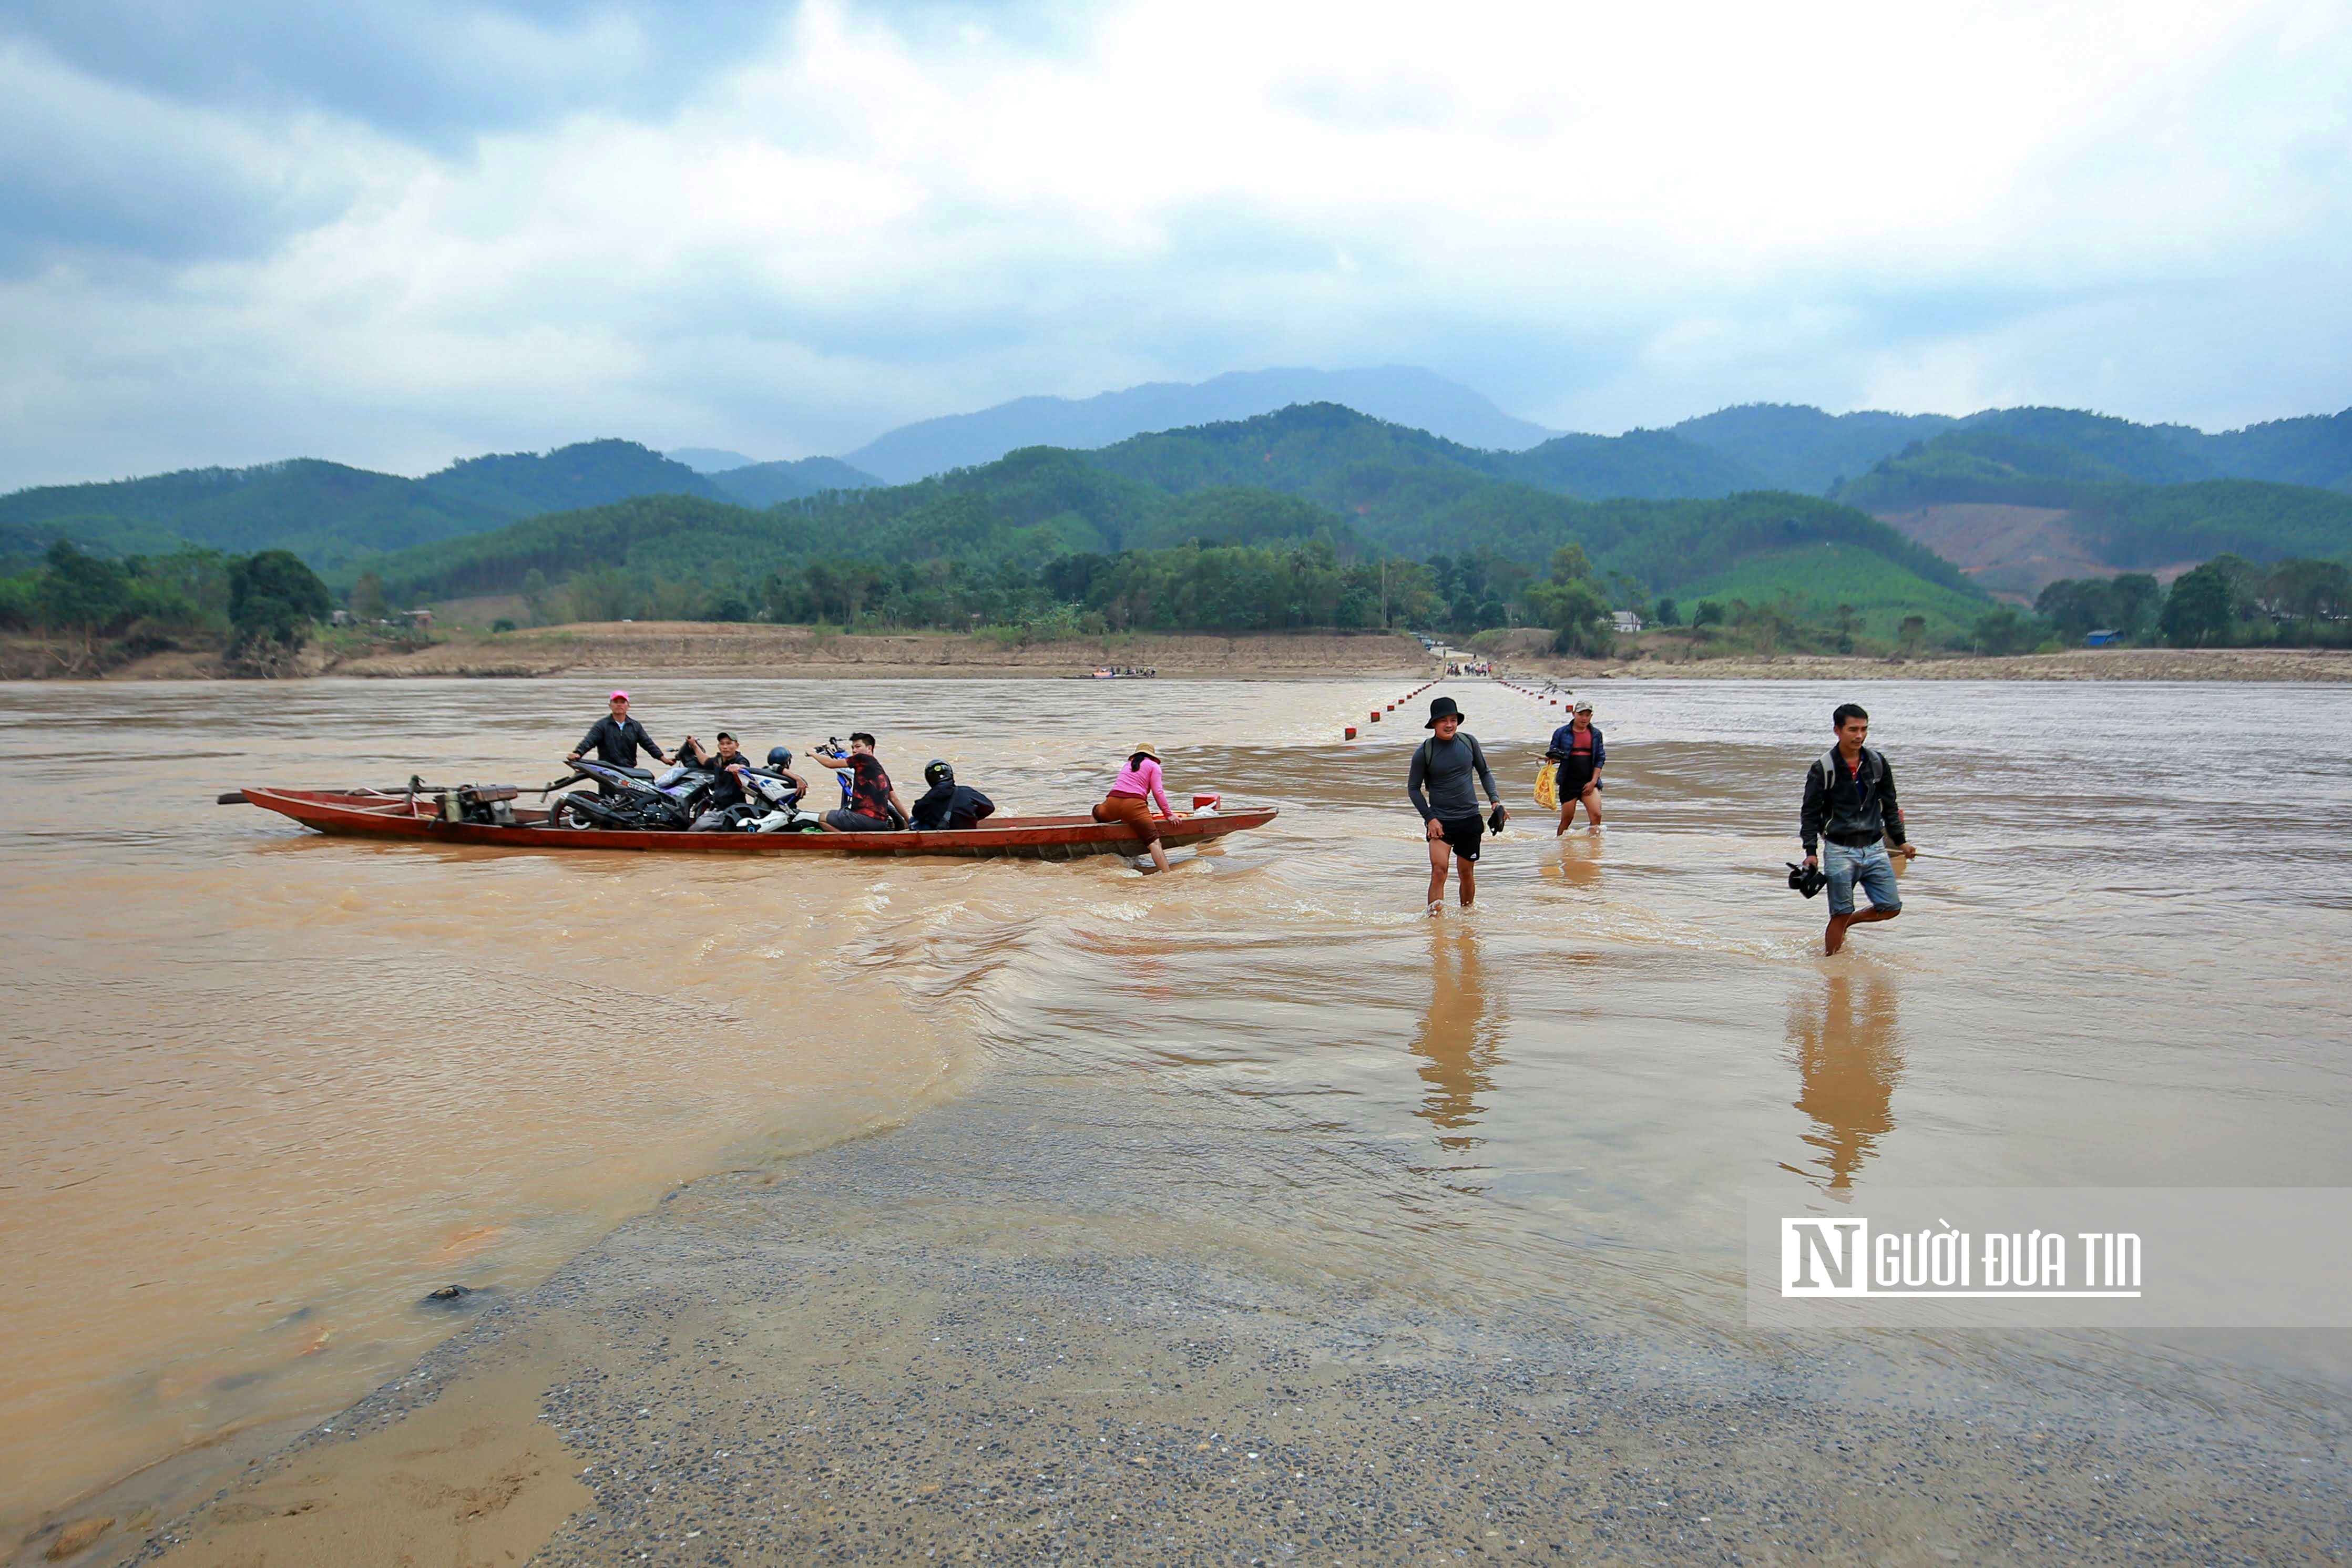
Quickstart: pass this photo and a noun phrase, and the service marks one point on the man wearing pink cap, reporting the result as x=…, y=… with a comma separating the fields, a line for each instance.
x=616, y=736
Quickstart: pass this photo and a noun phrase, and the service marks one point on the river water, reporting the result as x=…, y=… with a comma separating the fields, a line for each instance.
x=264, y=1090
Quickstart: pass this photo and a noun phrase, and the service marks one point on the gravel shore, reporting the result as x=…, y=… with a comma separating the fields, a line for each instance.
x=977, y=1338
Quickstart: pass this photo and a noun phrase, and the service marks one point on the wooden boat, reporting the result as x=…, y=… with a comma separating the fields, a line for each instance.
x=378, y=814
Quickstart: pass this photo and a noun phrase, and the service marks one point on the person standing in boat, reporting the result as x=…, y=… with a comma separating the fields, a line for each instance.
x=1447, y=771
x=874, y=805
x=616, y=739
x=1577, y=749
x=1849, y=801
x=1130, y=800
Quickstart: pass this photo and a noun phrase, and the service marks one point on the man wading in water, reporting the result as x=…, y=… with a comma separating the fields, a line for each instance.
x=1850, y=801
x=1446, y=793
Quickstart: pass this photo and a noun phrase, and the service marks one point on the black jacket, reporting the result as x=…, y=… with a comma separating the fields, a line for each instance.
x=616, y=742
x=952, y=806
x=1837, y=809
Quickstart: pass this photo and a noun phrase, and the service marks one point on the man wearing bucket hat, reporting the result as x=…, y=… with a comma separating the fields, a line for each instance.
x=1447, y=771
x=616, y=736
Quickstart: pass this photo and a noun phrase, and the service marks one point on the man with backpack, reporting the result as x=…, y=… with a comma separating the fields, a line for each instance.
x=1850, y=801
x=1447, y=771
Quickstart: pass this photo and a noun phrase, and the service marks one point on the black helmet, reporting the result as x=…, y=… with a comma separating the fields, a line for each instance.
x=780, y=756
x=1806, y=879
x=937, y=772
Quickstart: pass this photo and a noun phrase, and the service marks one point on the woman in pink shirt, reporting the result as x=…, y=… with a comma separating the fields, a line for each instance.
x=1130, y=801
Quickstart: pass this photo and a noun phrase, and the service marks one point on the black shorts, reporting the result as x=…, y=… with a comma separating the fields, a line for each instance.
x=850, y=821
x=1463, y=835
x=1571, y=781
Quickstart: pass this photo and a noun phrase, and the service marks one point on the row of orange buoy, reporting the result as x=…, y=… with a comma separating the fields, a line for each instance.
x=1531, y=692
x=1375, y=715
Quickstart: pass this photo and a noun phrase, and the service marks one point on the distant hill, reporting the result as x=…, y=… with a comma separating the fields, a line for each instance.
x=1793, y=447
x=333, y=515
x=1400, y=394
x=1357, y=486
x=709, y=459
x=1341, y=456
x=2023, y=497
x=765, y=484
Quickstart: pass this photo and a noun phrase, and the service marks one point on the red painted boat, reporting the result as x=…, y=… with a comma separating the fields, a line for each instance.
x=374, y=814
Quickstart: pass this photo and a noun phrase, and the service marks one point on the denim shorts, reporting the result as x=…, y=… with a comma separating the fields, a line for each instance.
x=1865, y=863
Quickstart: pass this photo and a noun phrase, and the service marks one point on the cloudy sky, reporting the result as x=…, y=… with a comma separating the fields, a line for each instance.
x=396, y=232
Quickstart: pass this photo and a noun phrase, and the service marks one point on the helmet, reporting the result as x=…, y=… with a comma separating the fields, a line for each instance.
x=937, y=772
x=780, y=756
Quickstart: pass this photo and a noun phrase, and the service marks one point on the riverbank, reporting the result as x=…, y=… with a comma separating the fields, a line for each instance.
x=706, y=648
x=977, y=1339
x=2264, y=664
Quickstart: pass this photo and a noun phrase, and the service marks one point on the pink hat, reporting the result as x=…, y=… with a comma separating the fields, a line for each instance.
x=618, y=697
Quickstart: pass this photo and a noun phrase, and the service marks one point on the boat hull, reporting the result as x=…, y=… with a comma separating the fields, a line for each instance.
x=368, y=815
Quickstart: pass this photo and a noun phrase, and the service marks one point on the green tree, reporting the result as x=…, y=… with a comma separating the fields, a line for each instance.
x=2077, y=607
x=367, y=599
x=81, y=594
x=2201, y=607
x=2136, y=596
x=1913, y=632
x=2003, y=632
x=1665, y=615
x=1708, y=613
x=274, y=597
x=2310, y=590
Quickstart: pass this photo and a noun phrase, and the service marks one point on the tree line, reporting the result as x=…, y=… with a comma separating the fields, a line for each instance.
x=263, y=605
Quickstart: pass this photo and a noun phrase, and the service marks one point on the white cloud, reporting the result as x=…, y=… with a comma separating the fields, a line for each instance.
x=1603, y=216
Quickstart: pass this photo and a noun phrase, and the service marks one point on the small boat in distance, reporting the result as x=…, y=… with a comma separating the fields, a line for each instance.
x=383, y=814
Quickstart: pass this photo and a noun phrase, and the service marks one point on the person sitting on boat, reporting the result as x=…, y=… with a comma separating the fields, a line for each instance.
x=727, y=765
x=616, y=737
x=1131, y=793
x=948, y=805
x=874, y=804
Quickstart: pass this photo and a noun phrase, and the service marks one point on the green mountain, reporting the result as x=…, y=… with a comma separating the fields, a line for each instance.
x=2094, y=480
x=1350, y=486
x=765, y=484
x=334, y=516
x=1794, y=447
x=1343, y=459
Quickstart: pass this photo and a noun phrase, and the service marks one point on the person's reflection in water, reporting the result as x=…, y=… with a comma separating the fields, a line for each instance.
x=1579, y=862
x=1848, y=1055
x=1460, y=1037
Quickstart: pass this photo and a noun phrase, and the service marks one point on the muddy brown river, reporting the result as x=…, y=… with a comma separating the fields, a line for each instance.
x=266, y=1090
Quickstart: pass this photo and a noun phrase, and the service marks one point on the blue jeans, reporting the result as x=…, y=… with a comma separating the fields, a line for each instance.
x=1866, y=864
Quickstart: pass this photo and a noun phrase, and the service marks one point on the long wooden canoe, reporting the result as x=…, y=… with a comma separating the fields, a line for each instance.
x=366, y=813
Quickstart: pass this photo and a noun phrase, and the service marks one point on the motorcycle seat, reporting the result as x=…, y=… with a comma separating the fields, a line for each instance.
x=644, y=773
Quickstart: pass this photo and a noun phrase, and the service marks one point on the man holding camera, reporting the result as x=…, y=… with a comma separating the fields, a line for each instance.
x=1849, y=801
x=874, y=805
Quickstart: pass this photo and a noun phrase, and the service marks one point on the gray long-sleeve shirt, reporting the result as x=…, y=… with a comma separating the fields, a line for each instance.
x=1440, y=784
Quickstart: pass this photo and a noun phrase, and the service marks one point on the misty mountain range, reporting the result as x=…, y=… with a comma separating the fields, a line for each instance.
x=2013, y=495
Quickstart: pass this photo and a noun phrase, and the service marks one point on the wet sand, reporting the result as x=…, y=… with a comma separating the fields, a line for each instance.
x=957, y=1341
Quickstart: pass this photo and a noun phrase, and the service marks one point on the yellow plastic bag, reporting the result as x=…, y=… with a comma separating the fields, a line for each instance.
x=1548, y=787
